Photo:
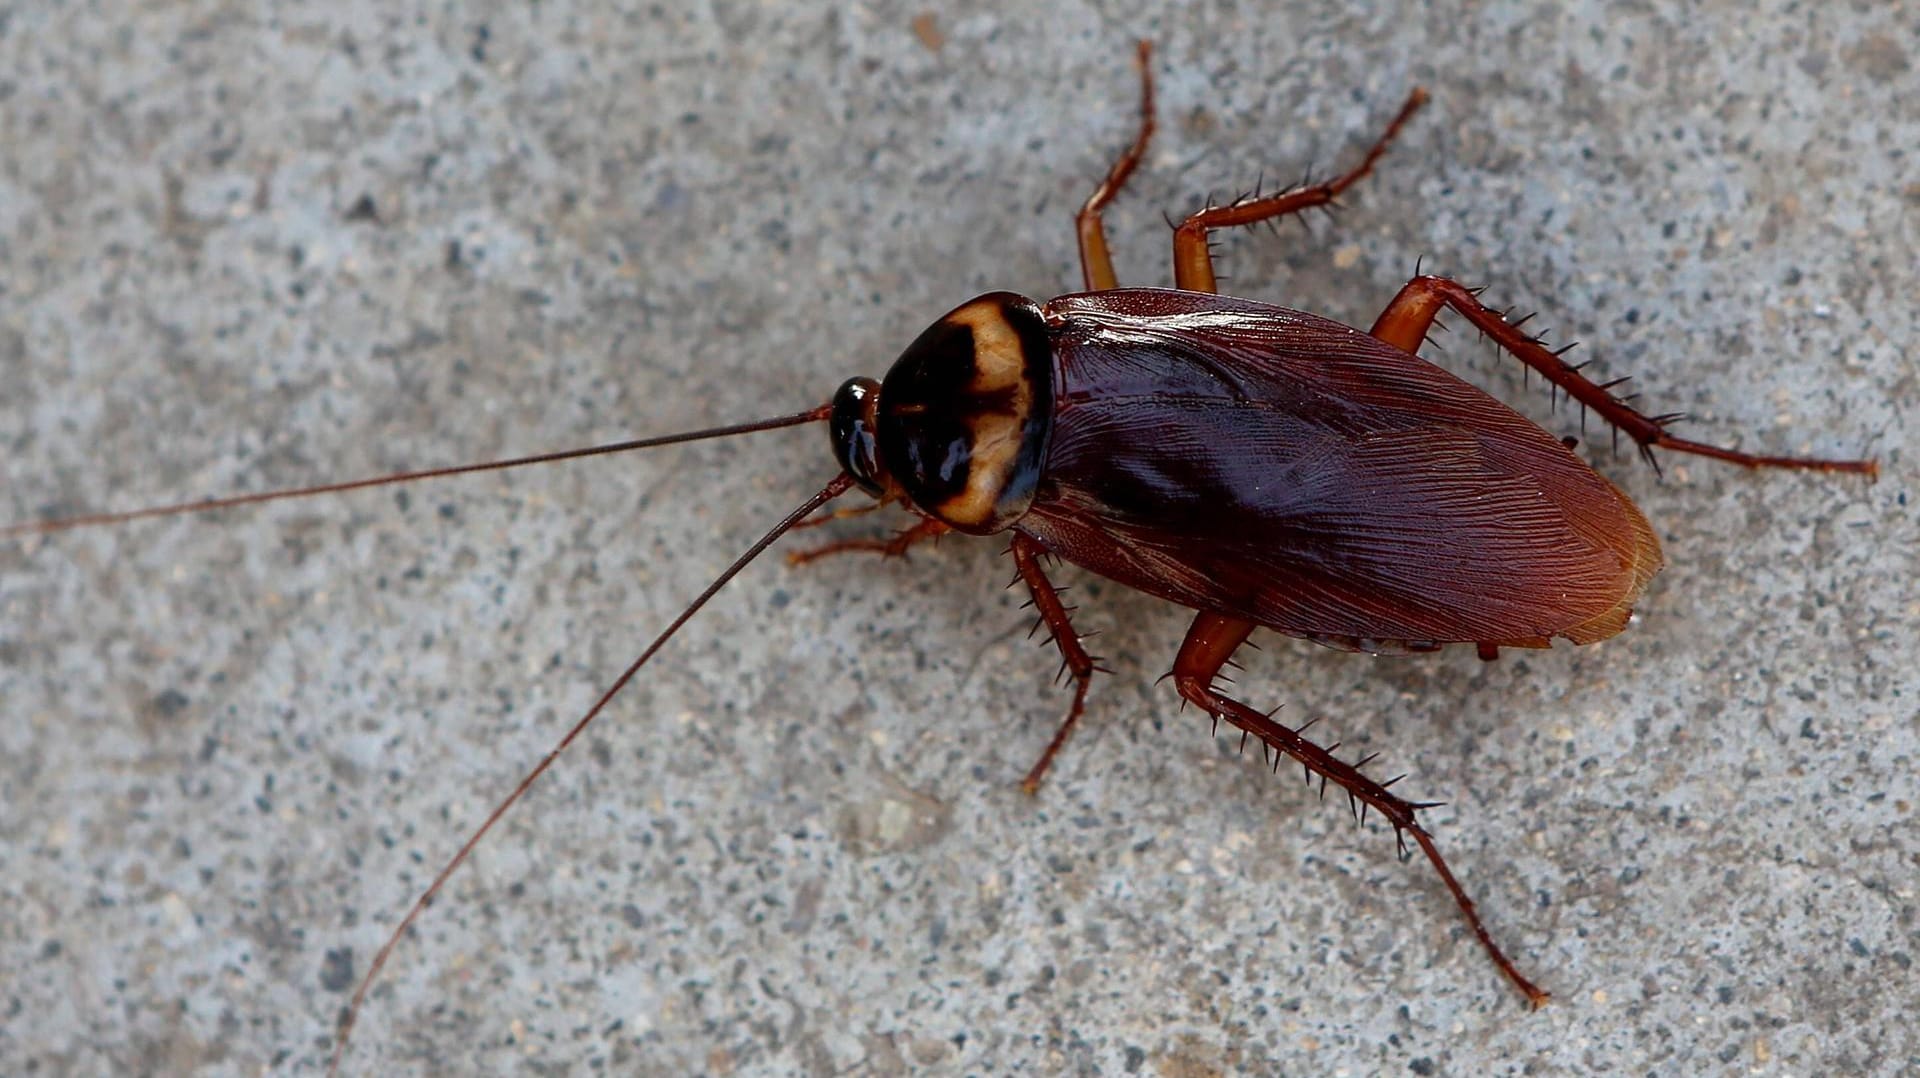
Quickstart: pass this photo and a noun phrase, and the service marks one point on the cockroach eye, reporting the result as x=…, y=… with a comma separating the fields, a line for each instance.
x=965, y=413
x=852, y=430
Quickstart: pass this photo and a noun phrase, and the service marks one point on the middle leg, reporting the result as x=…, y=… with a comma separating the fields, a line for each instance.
x=1073, y=655
x=1209, y=644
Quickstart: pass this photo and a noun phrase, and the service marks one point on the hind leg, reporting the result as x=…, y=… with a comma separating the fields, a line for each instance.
x=1406, y=320
x=1209, y=644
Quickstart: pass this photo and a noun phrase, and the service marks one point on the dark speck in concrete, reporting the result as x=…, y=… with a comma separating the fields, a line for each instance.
x=336, y=970
x=364, y=211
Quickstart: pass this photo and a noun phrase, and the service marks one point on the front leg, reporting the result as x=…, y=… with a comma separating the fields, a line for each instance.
x=895, y=547
x=1209, y=644
x=1073, y=656
x=1096, y=265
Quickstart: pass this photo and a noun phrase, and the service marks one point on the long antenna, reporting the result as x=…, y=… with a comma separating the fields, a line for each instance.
x=43, y=527
x=828, y=493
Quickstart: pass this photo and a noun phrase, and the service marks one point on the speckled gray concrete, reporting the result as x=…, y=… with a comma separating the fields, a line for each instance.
x=248, y=248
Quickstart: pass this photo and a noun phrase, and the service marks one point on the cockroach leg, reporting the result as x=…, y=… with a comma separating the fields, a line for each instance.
x=1192, y=258
x=828, y=516
x=1404, y=324
x=1210, y=643
x=1096, y=265
x=1073, y=655
x=896, y=547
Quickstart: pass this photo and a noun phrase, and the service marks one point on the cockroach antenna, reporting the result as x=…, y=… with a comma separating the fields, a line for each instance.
x=234, y=501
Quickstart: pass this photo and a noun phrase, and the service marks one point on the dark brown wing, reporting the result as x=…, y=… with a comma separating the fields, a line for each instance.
x=1258, y=461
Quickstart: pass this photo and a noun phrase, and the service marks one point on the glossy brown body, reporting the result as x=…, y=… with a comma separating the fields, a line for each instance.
x=1280, y=467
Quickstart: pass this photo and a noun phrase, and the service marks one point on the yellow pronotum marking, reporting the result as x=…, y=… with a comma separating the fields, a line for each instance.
x=999, y=367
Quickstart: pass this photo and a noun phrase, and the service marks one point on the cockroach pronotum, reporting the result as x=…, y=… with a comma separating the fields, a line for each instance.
x=1265, y=467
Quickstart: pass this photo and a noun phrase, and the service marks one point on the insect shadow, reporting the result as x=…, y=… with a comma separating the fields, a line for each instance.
x=1264, y=467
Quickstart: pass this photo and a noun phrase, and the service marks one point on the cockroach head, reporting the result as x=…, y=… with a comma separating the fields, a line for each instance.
x=852, y=429
x=959, y=427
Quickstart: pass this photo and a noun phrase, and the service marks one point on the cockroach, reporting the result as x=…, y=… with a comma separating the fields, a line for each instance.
x=1265, y=467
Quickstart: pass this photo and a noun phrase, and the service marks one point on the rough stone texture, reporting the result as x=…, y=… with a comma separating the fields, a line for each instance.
x=249, y=245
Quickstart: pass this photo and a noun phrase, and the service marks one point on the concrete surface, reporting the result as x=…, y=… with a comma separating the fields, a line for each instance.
x=248, y=246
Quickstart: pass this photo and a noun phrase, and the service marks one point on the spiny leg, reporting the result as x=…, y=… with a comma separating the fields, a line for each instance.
x=1406, y=320
x=1193, y=262
x=895, y=547
x=1210, y=643
x=1096, y=266
x=1073, y=657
